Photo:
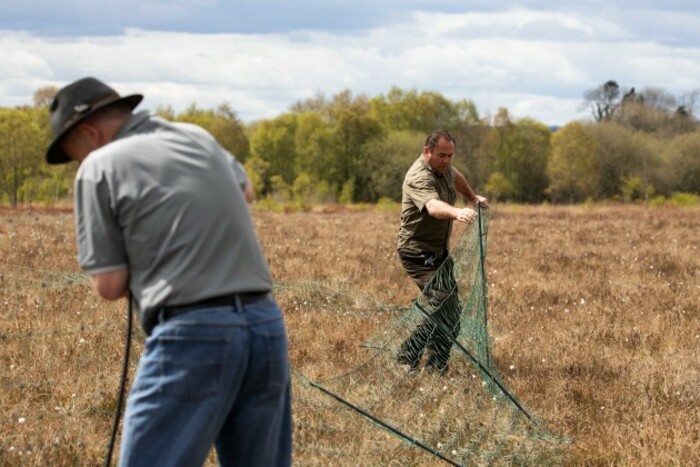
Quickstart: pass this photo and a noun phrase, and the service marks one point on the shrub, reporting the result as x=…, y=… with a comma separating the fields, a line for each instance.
x=685, y=199
x=387, y=204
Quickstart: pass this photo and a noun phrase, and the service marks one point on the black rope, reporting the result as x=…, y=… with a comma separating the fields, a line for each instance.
x=484, y=286
x=482, y=252
x=122, y=385
x=384, y=424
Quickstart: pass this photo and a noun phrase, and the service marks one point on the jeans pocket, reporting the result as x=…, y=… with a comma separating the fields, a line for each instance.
x=277, y=361
x=191, y=367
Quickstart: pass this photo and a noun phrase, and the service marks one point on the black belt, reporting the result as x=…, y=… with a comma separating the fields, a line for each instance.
x=222, y=300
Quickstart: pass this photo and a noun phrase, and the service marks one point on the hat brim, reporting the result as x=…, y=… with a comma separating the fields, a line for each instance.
x=56, y=155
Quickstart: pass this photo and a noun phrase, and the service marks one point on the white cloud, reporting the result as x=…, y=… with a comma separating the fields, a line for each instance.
x=536, y=63
x=515, y=22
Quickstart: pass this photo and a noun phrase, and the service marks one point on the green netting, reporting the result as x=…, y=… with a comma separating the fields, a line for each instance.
x=463, y=414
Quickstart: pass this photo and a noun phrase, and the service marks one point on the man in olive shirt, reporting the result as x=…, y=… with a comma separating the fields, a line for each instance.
x=428, y=196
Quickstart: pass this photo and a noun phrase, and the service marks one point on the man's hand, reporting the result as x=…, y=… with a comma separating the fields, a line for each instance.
x=112, y=285
x=482, y=201
x=466, y=215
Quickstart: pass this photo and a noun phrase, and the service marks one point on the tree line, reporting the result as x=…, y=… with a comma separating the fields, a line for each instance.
x=640, y=145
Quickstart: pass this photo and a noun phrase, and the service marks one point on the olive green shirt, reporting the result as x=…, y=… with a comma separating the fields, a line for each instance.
x=420, y=231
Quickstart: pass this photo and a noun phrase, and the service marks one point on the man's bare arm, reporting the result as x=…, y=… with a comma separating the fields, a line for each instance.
x=462, y=186
x=249, y=192
x=442, y=210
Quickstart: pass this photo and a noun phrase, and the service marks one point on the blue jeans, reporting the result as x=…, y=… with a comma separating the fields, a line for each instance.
x=212, y=376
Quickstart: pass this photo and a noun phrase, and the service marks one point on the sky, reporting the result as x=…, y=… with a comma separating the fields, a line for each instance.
x=535, y=58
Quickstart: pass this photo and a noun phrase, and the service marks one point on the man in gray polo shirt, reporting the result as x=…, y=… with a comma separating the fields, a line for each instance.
x=427, y=210
x=161, y=216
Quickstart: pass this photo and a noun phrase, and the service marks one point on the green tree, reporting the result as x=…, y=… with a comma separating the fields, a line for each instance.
x=273, y=142
x=351, y=135
x=347, y=192
x=315, y=105
x=280, y=189
x=618, y=153
x=330, y=110
x=388, y=161
x=345, y=102
x=319, y=158
x=648, y=148
x=58, y=183
x=682, y=163
x=469, y=147
x=422, y=112
x=22, y=146
x=573, y=167
x=256, y=169
x=49, y=184
x=634, y=188
x=518, y=151
x=309, y=140
x=303, y=190
x=495, y=140
x=498, y=187
x=222, y=123
x=526, y=165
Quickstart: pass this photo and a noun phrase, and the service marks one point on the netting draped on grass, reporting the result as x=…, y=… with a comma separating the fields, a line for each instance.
x=463, y=414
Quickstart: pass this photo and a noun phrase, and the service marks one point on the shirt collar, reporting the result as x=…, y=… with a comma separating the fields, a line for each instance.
x=134, y=121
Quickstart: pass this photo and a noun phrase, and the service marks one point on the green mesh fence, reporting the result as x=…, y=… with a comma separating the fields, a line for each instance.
x=354, y=403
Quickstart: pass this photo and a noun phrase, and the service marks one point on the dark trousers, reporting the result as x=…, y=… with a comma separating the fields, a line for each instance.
x=439, y=330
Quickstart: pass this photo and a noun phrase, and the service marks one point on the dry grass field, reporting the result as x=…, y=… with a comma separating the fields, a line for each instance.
x=594, y=314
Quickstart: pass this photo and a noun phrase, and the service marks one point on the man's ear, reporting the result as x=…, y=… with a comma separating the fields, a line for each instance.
x=81, y=140
x=89, y=130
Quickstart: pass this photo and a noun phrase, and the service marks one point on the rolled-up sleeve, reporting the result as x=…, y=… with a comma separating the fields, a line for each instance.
x=421, y=190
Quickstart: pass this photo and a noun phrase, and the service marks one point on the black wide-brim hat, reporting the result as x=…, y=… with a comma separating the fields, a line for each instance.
x=74, y=103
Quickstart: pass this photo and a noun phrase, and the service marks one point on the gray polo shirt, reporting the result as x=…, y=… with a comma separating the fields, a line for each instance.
x=164, y=201
x=419, y=231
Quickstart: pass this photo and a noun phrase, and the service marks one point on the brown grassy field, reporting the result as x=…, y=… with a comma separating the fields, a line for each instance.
x=594, y=314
